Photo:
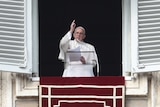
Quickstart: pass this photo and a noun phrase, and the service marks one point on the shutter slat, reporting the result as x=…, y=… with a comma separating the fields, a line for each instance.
x=9, y=11
x=12, y=52
x=12, y=19
x=149, y=33
x=149, y=46
x=11, y=7
x=149, y=52
x=12, y=43
x=11, y=38
x=12, y=47
x=7, y=29
x=12, y=3
x=146, y=56
x=148, y=37
x=10, y=16
x=16, y=34
x=12, y=56
x=11, y=61
x=12, y=25
x=150, y=61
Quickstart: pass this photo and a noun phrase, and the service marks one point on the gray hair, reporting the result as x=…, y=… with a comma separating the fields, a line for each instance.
x=80, y=27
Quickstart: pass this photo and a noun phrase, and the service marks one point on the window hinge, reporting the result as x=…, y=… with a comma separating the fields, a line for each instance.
x=141, y=66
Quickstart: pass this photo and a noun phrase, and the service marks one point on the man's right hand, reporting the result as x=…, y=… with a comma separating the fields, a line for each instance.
x=72, y=26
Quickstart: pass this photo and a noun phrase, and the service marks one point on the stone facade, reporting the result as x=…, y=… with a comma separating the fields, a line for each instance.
x=18, y=90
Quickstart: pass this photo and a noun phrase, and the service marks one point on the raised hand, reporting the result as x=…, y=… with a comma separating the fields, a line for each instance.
x=72, y=26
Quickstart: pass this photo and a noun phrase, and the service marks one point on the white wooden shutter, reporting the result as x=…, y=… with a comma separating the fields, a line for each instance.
x=148, y=47
x=13, y=42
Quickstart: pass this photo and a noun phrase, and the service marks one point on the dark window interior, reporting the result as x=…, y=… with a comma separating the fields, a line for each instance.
x=103, y=23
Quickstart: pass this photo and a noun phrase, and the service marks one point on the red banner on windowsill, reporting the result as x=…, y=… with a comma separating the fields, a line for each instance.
x=105, y=91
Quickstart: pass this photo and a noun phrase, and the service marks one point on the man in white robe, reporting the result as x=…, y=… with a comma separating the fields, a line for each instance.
x=88, y=59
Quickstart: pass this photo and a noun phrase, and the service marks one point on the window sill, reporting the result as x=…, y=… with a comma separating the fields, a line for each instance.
x=35, y=79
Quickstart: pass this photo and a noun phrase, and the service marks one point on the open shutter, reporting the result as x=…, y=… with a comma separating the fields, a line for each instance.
x=13, y=37
x=148, y=17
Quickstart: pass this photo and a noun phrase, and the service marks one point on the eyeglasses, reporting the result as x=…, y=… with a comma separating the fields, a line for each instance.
x=80, y=33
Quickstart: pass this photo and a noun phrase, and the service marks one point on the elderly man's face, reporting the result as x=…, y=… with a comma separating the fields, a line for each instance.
x=79, y=34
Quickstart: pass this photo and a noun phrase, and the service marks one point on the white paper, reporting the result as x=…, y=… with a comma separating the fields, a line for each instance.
x=74, y=54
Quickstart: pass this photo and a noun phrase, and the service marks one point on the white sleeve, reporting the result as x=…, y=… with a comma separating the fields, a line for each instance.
x=64, y=45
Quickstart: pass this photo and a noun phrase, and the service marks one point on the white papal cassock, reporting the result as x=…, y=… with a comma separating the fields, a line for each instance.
x=76, y=68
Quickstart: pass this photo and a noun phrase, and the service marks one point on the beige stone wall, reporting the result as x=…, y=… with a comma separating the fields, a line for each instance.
x=154, y=96
x=27, y=102
x=17, y=90
x=137, y=101
x=6, y=89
